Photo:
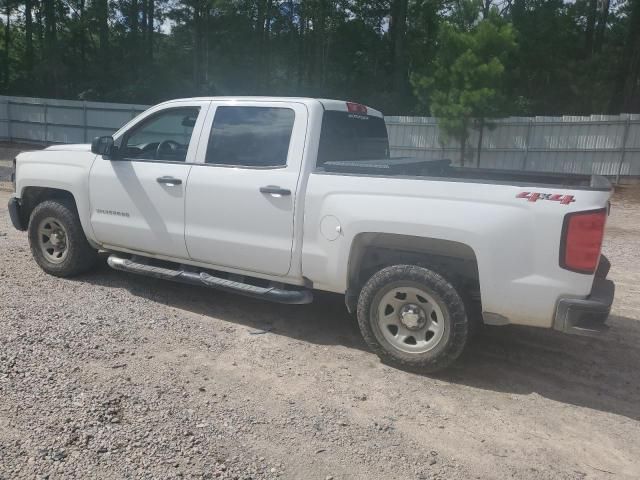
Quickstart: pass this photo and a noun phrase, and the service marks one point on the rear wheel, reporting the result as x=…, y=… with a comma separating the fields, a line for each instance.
x=413, y=318
x=57, y=241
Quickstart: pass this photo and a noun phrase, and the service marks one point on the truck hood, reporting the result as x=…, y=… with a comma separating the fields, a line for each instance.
x=77, y=147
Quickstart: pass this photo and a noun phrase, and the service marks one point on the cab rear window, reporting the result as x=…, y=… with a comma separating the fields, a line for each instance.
x=349, y=137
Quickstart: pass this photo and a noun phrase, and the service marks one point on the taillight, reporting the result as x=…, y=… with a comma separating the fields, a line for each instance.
x=356, y=108
x=581, y=241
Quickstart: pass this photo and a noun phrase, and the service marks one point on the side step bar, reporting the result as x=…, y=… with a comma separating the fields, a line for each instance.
x=273, y=294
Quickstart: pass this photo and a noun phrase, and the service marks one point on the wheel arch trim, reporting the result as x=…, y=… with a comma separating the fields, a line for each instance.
x=33, y=194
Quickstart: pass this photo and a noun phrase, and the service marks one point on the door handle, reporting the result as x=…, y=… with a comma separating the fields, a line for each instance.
x=275, y=191
x=169, y=181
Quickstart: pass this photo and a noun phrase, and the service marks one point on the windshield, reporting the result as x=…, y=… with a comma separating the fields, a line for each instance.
x=349, y=137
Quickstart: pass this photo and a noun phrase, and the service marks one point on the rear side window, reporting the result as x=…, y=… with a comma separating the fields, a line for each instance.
x=349, y=137
x=250, y=136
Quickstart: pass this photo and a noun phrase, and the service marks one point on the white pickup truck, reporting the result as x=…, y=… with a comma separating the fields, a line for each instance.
x=277, y=197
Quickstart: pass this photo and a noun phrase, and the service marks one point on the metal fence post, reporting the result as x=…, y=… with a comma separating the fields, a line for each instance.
x=84, y=121
x=9, y=120
x=526, y=144
x=46, y=125
x=623, y=148
x=480, y=135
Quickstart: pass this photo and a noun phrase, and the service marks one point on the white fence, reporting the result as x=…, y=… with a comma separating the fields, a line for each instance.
x=36, y=120
x=602, y=144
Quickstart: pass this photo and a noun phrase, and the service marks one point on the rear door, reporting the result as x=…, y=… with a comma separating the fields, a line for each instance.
x=241, y=196
x=138, y=199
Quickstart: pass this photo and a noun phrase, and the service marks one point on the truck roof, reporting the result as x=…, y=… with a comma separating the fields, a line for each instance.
x=327, y=104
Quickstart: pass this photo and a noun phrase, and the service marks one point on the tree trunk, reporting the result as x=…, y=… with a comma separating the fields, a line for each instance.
x=28, y=38
x=197, y=47
x=318, y=44
x=266, y=45
x=631, y=99
x=103, y=31
x=302, y=44
x=50, y=46
x=39, y=31
x=150, y=28
x=592, y=10
x=486, y=8
x=601, y=28
x=102, y=14
x=398, y=38
x=143, y=21
x=134, y=22
x=259, y=44
x=262, y=7
x=135, y=50
x=83, y=43
x=628, y=70
x=7, y=44
x=207, y=17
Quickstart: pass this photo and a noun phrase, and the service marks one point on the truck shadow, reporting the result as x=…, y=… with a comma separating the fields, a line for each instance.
x=599, y=373
x=324, y=322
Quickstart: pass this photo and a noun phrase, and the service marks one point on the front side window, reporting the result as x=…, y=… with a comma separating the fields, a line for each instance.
x=164, y=136
x=250, y=136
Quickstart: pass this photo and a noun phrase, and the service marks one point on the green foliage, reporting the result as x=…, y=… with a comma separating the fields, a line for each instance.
x=459, y=54
x=466, y=83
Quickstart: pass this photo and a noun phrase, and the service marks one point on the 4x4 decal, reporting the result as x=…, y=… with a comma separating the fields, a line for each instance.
x=554, y=197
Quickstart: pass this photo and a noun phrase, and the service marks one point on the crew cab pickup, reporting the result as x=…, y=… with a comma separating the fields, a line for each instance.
x=278, y=197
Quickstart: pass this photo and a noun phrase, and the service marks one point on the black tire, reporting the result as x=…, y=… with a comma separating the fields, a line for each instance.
x=456, y=325
x=80, y=256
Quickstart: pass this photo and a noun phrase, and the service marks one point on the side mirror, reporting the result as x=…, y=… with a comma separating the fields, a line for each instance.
x=102, y=146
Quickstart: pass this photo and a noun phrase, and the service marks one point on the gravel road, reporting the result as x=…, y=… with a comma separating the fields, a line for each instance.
x=5, y=171
x=116, y=376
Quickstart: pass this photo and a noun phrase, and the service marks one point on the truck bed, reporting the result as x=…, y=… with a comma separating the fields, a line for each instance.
x=443, y=170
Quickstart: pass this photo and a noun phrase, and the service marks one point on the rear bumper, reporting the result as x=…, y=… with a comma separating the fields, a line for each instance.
x=15, y=214
x=586, y=316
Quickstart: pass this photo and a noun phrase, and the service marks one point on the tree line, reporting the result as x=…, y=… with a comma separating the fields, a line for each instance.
x=456, y=59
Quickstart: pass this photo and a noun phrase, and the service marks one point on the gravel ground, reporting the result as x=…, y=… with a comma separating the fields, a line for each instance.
x=116, y=376
x=5, y=171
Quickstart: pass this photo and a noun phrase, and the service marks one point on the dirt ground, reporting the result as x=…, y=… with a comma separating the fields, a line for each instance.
x=116, y=376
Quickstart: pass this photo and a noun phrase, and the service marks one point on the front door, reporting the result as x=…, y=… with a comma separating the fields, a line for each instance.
x=241, y=198
x=138, y=198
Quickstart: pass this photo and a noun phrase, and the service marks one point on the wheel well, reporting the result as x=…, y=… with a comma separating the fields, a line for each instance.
x=372, y=252
x=33, y=196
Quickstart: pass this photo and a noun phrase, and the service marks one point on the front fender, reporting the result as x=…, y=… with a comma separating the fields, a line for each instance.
x=62, y=170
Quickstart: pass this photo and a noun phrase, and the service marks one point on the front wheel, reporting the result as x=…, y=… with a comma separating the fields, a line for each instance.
x=413, y=318
x=57, y=241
